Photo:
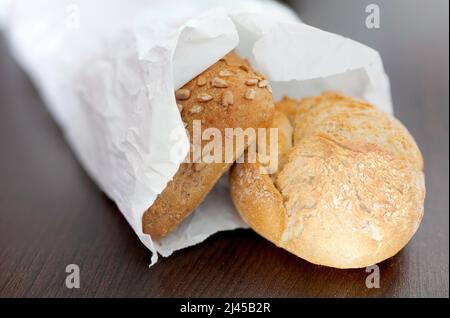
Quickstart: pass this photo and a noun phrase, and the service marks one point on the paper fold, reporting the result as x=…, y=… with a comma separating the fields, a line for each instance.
x=110, y=85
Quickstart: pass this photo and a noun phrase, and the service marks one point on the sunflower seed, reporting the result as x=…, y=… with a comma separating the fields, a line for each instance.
x=263, y=83
x=183, y=94
x=269, y=88
x=180, y=107
x=244, y=68
x=219, y=83
x=196, y=109
x=251, y=81
x=201, y=81
x=250, y=94
x=259, y=74
x=225, y=73
x=204, y=97
x=227, y=99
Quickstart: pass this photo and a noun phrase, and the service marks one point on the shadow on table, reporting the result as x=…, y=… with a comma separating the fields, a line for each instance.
x=241, y=264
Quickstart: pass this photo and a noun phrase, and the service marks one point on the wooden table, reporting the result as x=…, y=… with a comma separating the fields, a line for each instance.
x=52, y=214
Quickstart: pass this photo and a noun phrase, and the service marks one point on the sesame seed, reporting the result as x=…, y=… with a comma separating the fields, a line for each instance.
x=180, y=107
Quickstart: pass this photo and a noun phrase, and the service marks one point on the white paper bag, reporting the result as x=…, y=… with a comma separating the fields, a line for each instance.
x=108, y=70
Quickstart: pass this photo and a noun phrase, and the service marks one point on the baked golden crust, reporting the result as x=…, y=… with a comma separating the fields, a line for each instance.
x=283, y=144
x=256, y=194
x=355, y=121
x=219, y=98
x=349, y=204
x=289, y=107
x=347, y=196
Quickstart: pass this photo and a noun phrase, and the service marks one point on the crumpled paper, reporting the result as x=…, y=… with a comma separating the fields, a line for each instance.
x=107, y=70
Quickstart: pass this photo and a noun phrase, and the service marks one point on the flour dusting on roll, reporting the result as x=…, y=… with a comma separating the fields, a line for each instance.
x=350, y=193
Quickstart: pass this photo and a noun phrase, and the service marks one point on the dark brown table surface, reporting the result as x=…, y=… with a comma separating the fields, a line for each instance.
x=52, y=214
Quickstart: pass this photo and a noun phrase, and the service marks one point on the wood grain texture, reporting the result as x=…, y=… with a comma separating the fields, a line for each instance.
x=52, y=214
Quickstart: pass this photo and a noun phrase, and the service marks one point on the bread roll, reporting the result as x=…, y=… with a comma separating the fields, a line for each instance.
x=229, y=94
x=351, y=192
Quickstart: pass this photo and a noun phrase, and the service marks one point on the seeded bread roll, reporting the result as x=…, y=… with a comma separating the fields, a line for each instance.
x=351, y=192
x=230, y=94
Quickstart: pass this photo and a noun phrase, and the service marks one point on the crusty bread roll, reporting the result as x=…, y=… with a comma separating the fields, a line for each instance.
x=229, y=94
x=350, y=193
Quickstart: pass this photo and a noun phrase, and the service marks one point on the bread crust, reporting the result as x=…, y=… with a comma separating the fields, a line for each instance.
x=219, y=98
x=345, y=197
x=355, y=121
x=256, y=194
